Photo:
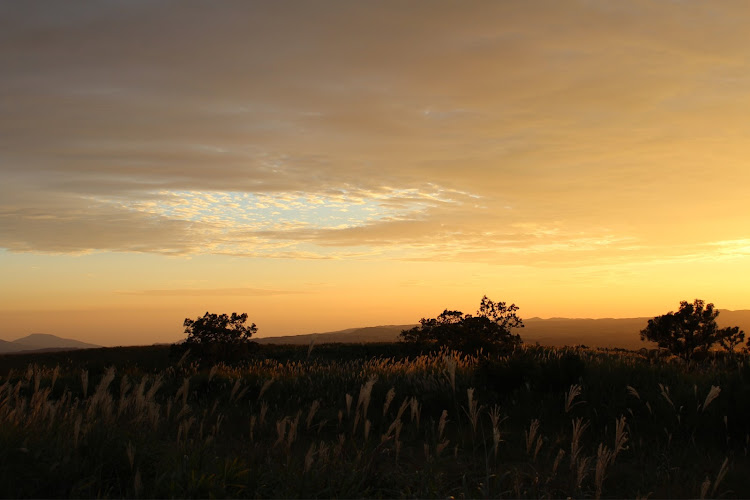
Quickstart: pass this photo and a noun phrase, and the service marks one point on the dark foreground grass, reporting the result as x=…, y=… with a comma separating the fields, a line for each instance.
x=373, y=421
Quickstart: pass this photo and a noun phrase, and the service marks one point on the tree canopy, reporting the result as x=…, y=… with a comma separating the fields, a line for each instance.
x=219, y=328
x=690, y=330
x=489, y=329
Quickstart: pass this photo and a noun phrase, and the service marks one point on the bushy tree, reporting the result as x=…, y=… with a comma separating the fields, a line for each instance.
x=489, y=329
x=731, y=338
x=215, y=338
x=219, y=328
x=690, y=330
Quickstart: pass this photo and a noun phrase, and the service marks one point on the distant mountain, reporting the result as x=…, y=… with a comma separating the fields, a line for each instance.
x=42, y=341
x=386, y=333
x=606, y=332
x=553, y=332
x=558, y=332
x=739, y=318
x=6, y=346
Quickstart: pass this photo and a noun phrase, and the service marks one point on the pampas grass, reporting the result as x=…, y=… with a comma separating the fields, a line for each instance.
x=118, y=431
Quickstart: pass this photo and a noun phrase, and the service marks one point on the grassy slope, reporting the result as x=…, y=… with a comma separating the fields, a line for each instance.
x=319, y=430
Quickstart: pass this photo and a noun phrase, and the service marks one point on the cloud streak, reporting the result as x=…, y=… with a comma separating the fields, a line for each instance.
x=209, y=292
x=505, y=133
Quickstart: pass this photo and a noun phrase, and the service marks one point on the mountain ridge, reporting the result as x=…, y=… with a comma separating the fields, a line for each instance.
x=42, y=342
x=558, y=332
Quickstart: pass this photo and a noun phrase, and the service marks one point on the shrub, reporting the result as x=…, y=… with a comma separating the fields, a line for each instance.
x=690, y=331
x=219, y=337
x=213, y=328
x=489, y=329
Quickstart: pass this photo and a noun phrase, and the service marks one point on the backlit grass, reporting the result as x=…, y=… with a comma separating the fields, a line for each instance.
x=349, y=421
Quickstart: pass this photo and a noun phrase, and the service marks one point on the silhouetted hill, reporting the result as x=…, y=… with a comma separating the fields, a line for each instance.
x=605, y=332
x=558, y=332
x=739, y=318
x=6, y=346
x=42, y=342
x=386, y=333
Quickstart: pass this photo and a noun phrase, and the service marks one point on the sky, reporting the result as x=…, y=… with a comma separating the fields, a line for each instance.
x=325, y=165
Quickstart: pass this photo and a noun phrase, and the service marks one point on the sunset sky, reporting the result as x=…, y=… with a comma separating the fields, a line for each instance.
x=325, y=165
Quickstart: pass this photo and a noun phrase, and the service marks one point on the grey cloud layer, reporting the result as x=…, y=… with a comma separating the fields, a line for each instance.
x=552, y=113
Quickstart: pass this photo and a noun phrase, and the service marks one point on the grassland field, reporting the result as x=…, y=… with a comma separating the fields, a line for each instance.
x=373, y=420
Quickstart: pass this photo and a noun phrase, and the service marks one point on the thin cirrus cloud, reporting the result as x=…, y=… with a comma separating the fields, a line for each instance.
x=209, y=292
x=505, y=132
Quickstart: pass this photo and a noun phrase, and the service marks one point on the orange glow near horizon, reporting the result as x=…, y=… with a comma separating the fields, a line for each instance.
x=382, y=293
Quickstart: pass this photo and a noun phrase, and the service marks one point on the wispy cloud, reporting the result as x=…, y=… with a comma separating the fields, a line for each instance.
x=209, y=292
x=504, y=132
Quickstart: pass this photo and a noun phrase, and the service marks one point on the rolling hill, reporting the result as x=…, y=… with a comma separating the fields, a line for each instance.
x=606, y=332
x=385, y=333
x=558, y=332
x=6, y=346
x=42, y=342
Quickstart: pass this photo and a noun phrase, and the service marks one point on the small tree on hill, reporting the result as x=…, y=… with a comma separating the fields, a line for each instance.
x=489, y=329
x=219, y=328
x=215, y=338
x=731, y=338
x=691, y=329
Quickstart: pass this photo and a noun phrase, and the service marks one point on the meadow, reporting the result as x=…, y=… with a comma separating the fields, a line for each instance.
x=374, y=420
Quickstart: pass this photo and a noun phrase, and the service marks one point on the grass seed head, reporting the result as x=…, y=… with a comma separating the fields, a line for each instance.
x=311, y=414
x=365, y=393
x=253, y=419
x=473, y=410
x=281, y=430
x=712, y=394
x=621, y=436
x=571, y=395
x=265, y=387
x=631, y=390
x=235, y=388
x=388, y=400
x=309, y=456
x=531, y=435
x=416, y=410
x=402, y=408
x=604, y=457
x=130, y=451
x=137, y=483
x=85, y=383
x=77, y=430
x=441, y=424
x=705, y=487
x=582, y=471
x=665, y=394
x=293, y=425
x=349, y=400
x=263, y=411
x=720, y=476
x=450, y=371
x=579, y=426
x=558, y=459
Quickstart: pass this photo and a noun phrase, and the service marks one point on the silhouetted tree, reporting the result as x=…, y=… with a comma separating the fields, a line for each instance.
x=489, y=329
x=215, y=338
x=691, y=329
x=731, y=338
x=219, y=328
